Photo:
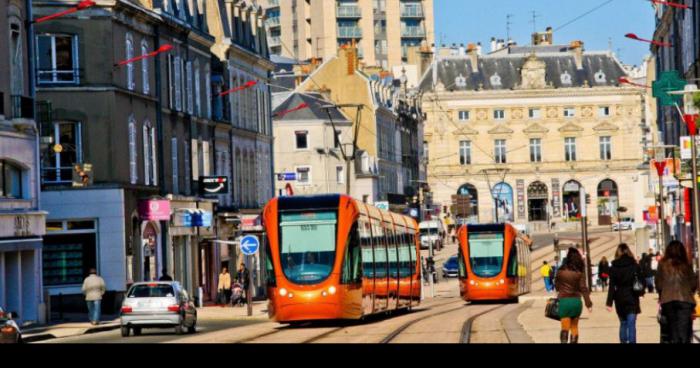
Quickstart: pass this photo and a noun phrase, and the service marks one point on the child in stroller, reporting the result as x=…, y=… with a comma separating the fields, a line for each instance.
x=237, y=295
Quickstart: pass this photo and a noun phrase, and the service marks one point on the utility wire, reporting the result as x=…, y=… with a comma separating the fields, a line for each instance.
x=584, y=14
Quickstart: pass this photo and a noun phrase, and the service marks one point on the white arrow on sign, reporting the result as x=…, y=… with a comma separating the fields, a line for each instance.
x=221, y=186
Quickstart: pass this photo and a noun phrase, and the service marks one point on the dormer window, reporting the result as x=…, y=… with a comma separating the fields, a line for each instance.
x=566, y=78
x=600, y=77
x=496, y=80
x=460, y=81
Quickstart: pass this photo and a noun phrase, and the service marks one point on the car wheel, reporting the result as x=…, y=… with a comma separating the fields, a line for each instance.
x=125, y=331
x=137, y=331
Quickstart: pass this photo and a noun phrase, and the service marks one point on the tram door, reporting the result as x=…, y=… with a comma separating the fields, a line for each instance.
x=393, y=261
x=380, y=266
x=368, y=281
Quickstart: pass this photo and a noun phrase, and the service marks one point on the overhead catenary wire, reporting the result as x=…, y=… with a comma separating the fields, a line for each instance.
x=583, y=15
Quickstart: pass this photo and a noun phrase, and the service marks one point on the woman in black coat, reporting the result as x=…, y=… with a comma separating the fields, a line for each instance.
x=623, y=272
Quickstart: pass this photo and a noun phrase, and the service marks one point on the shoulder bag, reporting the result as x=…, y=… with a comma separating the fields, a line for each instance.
x=551, y=310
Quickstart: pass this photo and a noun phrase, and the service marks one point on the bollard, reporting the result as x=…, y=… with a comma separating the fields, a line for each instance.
x=200, y=297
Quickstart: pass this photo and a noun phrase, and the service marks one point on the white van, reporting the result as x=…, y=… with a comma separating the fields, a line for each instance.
x=433, y=232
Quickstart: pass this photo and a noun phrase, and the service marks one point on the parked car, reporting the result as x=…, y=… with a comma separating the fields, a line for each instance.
x=626, y=223
x=10, y=332
x=162, y=304
x=450, y=268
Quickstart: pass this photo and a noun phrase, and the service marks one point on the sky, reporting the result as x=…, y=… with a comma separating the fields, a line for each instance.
x=472, y=21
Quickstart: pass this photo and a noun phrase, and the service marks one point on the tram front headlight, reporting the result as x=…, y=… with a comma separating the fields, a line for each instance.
x=332, y=290
x=324, y=293
x=283, y=292
x=471, y=282
x=291, y=295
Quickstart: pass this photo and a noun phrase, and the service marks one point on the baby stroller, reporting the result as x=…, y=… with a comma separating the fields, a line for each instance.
x=237, y=295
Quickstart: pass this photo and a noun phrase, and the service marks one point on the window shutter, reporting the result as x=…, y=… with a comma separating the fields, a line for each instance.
x=205, y=158
x=173, y=157
x=197, y=91
x=154, y=160
x=190, y=100
x=195, y=160
x=178, y=83
x=188, y=168
x=146, y=160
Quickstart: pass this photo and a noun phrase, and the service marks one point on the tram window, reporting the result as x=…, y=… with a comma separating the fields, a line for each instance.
x=462, y=269
x=307, y=248
x=366, y=245
x=269, y=267
x=351, y=261
x=513, y=261
x=486, y=253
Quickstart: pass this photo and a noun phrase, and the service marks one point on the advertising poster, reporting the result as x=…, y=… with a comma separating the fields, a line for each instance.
x=503, y=198
x=520, y=184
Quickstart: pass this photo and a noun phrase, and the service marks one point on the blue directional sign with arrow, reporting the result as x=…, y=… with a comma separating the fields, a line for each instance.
x=250, y=245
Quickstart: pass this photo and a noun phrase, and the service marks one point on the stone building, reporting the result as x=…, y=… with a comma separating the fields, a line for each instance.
x=525, y=129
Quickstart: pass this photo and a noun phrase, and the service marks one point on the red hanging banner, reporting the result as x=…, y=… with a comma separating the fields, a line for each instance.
x=301, y=106
x=672, y=4
x=164, y=48
x=690, y=122
x=687, y=205
x=239, y=88
x=657, y=43
x=81, y=6
x=660, y=167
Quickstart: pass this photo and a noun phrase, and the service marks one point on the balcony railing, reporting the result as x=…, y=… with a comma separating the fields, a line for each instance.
x=412, y=12
x=412, y=32
x=56, y=76
x=349, y=32
x=22, y=107
x=349, y=11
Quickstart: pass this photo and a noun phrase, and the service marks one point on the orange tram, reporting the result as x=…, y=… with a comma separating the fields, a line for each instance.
x=333, y=257
x=493, y=263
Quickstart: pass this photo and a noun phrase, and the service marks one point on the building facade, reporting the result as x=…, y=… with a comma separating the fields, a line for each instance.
x=142, y=134
x=22, y=223
x=519, y=133
x=387, y=120
x=382, y=29
x=309, y=146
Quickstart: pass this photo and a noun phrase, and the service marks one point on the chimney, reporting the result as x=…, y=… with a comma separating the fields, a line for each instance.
x=576, y=47
x=478, y=48
x=473, y=53
x=501, y=44
x=550, y=36
x=461, y=49
x=493, y=44
x=351, y=58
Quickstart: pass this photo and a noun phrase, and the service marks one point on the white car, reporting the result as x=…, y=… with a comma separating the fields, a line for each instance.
x=627, y=223
x=157, y=304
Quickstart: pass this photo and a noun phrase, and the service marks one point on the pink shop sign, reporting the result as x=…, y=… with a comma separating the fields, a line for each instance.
x=154, y=210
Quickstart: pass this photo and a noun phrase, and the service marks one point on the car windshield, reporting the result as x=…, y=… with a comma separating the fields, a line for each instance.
x=432, y=231
x=307, y=249
x=486, y=253
x=152, y=291
x=452, y=261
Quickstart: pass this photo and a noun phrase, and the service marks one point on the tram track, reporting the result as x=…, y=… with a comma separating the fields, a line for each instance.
x=394, y=334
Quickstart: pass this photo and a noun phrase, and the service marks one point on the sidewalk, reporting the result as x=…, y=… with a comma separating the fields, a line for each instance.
x=78, y=324
x=600, y=326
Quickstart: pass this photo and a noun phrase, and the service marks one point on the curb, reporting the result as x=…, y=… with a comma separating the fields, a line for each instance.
x=49, y=336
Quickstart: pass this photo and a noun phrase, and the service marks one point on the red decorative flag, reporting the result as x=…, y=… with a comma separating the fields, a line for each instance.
x=164, y=48
x=81, y=6
x=239, y=88
x=624, y=80
x=301, y=106
x=660, y=167
x=657, y=43
x=672, y=4
x=289, y=190
x=690, y=122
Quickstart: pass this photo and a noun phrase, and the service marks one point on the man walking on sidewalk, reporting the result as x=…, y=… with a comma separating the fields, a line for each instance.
x=545, y=272
x=94, y=288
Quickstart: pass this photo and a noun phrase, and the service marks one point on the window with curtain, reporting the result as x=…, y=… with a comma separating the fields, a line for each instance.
x=130, y=83
x=144, y=69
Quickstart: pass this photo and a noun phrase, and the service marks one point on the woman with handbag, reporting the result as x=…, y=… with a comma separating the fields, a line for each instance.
x=626, y=286
x=677, y=284
x=571, y=285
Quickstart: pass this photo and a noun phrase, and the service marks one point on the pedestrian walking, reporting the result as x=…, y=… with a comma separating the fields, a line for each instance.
x=242, y=278
x=545, y=272
x=603, y=272
x=165, y=276
x=677, y=284
x=647, y=272
x=94, y=289
x=224, y=287
x=625, y=271
x=571, y=285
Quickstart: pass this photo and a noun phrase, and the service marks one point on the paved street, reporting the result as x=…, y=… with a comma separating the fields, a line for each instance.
x=443, y=319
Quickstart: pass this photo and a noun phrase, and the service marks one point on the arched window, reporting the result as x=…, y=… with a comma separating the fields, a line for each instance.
x=144, y=69
x=130, y=84
x=537, y=194
x=133, y=166
x=466, y=205
x=11, y=185
x=608, y=201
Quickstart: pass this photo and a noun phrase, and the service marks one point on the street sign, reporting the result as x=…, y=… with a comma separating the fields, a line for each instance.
x=214, y=185
x=250, y=245
x=286, y=176
x=668, y=82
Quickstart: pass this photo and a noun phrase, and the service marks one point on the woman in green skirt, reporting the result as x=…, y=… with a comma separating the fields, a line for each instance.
x=571, y=285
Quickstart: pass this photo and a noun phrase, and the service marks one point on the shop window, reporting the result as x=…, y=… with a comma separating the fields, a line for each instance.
x=67, y=258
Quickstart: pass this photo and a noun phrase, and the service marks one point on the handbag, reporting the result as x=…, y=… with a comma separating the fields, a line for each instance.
x=551, y=310
x=638, y=286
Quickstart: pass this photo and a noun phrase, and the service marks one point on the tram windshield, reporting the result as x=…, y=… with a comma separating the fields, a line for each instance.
x=486, y=253
x=307, y=249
